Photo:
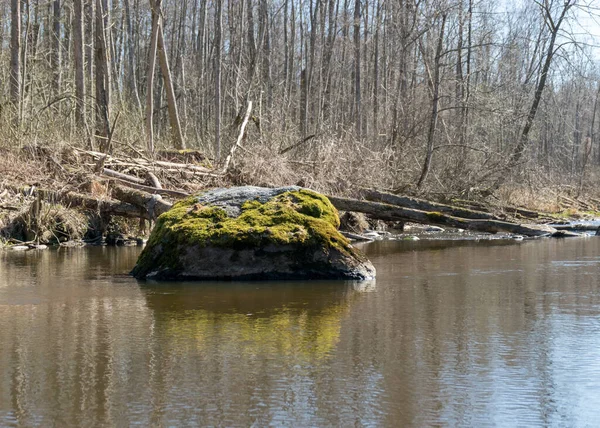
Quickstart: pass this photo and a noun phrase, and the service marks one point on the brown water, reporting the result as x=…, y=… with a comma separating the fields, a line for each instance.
x=451, y=334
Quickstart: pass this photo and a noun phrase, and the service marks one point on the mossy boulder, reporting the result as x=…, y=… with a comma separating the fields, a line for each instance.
x=251, y=233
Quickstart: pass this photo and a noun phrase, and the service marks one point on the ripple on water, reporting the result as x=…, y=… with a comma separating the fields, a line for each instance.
x=459, y=334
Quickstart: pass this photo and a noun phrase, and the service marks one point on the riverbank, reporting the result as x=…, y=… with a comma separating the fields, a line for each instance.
x=70, y=196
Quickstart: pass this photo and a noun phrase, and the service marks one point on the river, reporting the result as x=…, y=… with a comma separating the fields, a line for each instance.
x=452, y=333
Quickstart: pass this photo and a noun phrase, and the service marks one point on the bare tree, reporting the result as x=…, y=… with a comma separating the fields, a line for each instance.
x=357, y=100
x=217, y=68
x=15, y=57
x=434, y=83
x=553, y=24
x=177, y=134
x=56, y=36
x=79, y=59
x=154, y=4
x=102, y=76
x=130, y=74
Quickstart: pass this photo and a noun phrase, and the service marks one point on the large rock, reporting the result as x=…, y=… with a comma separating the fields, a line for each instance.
x=251, y=233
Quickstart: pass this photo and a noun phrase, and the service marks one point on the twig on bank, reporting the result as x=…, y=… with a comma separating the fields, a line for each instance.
x=239, y=139
x=293, y=146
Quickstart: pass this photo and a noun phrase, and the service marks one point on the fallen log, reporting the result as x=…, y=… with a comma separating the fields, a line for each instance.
x=154, y=205
x=394, y=213
x=463, y=209
x=525, y=213
x=121, y=176
x=354, y=236
x=423, y=205
x=576, y=227
x=145, y=162
x=375, y=209
x=152, y=190
x=511, y=210
x=74, y=199
x=153, y=180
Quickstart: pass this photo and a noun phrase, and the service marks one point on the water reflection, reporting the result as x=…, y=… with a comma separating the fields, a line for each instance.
x=245, y=349
x=84, y=344
x=463, y=334
x=488, y=334
x=65, y=331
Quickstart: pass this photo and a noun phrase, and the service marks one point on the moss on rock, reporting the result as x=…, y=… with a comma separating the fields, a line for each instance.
x=297, y=219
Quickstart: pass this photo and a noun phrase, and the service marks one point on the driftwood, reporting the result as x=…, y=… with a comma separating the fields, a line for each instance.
x=423, y=205
x=394, y=213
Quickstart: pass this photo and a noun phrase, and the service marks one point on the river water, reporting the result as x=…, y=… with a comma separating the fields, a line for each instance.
x=456, y=333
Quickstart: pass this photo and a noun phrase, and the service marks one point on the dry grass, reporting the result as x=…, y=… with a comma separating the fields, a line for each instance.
x=327, y=164
x=53, y=224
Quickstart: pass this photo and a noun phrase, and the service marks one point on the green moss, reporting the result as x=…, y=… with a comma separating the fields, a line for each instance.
x=435, y=216
x=298, y=217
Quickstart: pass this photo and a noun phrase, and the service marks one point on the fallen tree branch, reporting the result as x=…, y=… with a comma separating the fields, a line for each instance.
x=153, y=180
x=423, y=205
x=144, y=162
x=123, y=177
x=299, y=143
x=152, y=190
x=74, y=199
x=9, y=207
x=394, y=213
x=239, y=139
x=154, y=205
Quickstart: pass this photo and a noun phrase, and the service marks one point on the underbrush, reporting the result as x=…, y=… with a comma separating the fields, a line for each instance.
x=331, y=163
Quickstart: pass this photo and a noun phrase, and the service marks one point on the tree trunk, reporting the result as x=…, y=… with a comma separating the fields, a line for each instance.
x=131, y=70
x=89, y=40
x=55, y=57
x=435, y=100
x=357, y=100
x=15, y=58
x=102, y=77
x=217, y=67
x=521, y=145
x=154, y=4
x=178, y=140
x=78, y=55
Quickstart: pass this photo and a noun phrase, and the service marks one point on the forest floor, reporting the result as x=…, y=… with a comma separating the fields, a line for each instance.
x=47, y=196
